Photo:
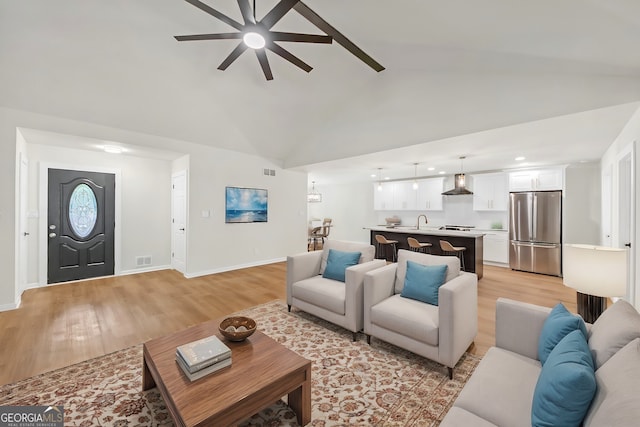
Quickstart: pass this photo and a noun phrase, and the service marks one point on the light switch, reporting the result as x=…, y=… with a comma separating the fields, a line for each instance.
x=206, y=213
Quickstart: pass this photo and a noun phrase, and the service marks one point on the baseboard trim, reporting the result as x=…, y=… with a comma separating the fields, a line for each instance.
x=143, y=270
x=495, y=264
x=7, y=307
x=233, y=267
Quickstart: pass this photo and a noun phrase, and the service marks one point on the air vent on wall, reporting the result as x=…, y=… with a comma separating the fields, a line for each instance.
x=269, y=172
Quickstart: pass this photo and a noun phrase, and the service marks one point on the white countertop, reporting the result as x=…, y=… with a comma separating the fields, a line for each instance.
x=433, y=231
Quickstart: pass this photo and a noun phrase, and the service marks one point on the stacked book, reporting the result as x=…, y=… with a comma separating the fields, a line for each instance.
x=202, y=357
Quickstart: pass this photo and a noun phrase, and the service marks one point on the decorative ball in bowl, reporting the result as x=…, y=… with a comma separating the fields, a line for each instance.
x=237, y=328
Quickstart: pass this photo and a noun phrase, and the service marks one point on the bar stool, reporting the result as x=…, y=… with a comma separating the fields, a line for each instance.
x=384, y=243
x=449, y=249
x=416, y=246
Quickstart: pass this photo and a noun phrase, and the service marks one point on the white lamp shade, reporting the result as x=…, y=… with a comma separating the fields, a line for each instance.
x=595, y=270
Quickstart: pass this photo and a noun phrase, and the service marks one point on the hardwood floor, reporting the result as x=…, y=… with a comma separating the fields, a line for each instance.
x=57, y=326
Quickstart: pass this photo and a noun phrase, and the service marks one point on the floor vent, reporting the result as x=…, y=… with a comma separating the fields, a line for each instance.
x=142, y=261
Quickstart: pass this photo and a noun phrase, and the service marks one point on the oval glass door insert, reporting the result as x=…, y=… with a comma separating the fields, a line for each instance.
x=83, y=210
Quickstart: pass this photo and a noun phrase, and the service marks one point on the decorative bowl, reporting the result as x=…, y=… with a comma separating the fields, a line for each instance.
x=237, y=328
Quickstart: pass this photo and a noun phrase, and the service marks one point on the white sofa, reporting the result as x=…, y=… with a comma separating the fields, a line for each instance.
x=500, y=391
x=441, y=333
x=337, y=302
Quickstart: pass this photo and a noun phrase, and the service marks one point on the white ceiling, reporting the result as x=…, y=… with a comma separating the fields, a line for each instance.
x=489, y=79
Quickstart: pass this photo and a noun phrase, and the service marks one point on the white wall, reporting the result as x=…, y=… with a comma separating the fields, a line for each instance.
x=582, y=204
x=213, y=245
x=350, y=206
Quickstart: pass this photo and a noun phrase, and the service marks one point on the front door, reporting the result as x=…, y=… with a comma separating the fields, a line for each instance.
x=81, y=225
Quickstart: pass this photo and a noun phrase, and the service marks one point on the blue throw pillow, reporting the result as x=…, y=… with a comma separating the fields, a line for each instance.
x=423, y=281
x=337, y=263
x=558, y=324
x=566, y=385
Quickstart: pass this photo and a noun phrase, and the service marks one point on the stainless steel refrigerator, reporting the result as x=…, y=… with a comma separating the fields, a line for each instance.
x=535, y=232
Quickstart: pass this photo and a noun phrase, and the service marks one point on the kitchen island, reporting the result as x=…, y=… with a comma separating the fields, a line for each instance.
x=473, y=241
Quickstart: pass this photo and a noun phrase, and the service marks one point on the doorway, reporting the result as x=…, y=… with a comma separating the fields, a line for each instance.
x=80, y=225
x=626, y=215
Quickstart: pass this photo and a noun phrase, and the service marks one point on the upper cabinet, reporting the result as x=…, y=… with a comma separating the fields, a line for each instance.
x=383, y=196
x=400, y=195
x=537, y=180
x=490, y=192
x=430, y=194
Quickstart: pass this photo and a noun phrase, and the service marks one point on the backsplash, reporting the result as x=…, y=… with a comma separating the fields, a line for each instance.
x=457, y=210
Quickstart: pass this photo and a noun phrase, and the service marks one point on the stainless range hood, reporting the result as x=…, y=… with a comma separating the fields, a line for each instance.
x=459, y=188
x=459, y=184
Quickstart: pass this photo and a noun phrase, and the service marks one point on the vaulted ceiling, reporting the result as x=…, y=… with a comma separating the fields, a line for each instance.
x=485, y=79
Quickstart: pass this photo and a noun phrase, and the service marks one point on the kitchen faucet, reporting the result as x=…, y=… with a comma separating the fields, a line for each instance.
x=426, y=221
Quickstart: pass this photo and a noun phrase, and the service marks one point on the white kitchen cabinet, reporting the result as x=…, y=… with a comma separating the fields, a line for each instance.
x=537, y=180
x=496, y=247
x=400, y=195
x=490, y=192
x=383, y=198
x=429, y=194
x=404, y=196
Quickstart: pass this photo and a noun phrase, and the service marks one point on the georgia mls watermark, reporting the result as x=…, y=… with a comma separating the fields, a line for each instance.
x=31, y=416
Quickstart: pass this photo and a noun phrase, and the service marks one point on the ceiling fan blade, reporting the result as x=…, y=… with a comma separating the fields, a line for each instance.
x=219, y=36
x=323, y=25
x=221, y=16
x=277, y=12
x=247, y=13
x=235, y=53
x=264, y=63
x=278, y=50
x=296, y=37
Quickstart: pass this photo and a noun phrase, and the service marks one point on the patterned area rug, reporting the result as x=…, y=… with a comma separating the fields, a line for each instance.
x=353, y=383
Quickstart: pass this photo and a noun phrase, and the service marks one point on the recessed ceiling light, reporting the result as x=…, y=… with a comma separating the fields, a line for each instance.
x=431, y=169
x=387, y=177
x=442, y=172
x=112, y=149
x=373, y=175
x=520, y=158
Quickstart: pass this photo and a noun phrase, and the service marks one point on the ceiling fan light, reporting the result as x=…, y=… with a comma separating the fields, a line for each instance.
x=254, y=40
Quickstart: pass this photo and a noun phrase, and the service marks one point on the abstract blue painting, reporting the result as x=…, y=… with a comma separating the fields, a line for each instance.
x=245, y=205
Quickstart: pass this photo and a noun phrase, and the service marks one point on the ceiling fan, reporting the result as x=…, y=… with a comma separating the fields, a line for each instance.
x=259, y=36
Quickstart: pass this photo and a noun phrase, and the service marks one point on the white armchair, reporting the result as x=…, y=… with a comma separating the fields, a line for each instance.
x=337, y=302
x=441, y=333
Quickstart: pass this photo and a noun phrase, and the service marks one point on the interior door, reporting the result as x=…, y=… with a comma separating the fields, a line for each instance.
x=626, y=213
x=24, y=229
x=81, y=222
x=179, y=221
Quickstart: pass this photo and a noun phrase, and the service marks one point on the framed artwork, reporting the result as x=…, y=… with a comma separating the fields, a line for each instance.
x=246, y=205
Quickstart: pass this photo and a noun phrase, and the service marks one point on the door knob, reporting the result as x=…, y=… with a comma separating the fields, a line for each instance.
x=25, y=233
x=52, y=235
x=181, y=229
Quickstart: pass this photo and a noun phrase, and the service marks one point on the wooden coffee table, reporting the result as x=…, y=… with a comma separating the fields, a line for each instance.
x=261, y=372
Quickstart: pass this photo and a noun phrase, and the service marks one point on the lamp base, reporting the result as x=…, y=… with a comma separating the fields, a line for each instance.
x=590, y=307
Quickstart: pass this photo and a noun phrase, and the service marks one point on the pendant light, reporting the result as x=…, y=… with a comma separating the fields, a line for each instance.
x=415, y=176
x=314, y=196
x=459, y=183
x=379, y=179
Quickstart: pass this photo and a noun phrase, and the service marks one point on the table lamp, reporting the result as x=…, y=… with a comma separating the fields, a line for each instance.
x=596, y=272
